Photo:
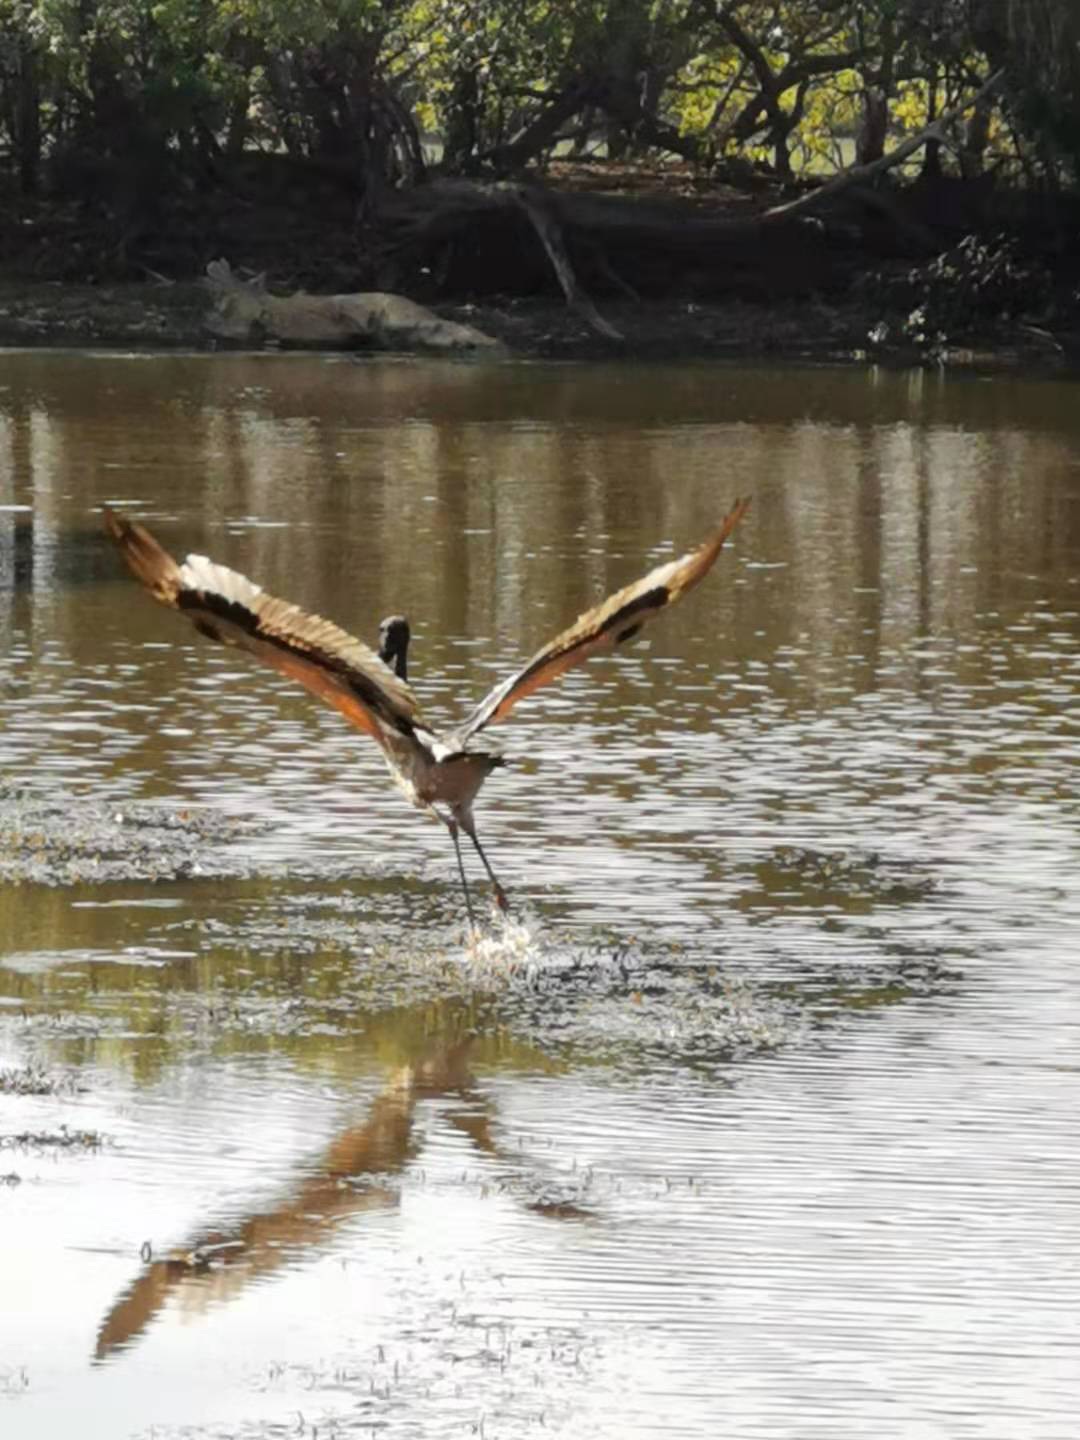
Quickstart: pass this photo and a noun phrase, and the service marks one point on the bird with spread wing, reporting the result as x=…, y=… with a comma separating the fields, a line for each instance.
x=440, y=773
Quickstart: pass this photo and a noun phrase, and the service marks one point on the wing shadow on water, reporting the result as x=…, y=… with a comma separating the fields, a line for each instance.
x=356, y=1174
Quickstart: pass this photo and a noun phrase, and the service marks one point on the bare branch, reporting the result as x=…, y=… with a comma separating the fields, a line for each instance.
x=549, y=232
x=859, y=174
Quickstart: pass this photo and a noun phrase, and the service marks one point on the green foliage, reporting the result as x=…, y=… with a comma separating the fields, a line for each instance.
x=971, y=288
x=495, y=83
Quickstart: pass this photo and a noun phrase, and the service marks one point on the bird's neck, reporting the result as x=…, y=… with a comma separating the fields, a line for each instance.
x=396, y=656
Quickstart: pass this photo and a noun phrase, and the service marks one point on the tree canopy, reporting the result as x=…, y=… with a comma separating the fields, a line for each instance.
x=117, y=104
x=382, y=88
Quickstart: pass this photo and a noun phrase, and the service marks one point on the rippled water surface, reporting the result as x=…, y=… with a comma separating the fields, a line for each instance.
x=759, y=1116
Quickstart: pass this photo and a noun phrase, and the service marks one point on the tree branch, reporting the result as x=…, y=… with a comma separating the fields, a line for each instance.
x=750, y=48
x=541, y=131
x=539, y=211
x=859, y=174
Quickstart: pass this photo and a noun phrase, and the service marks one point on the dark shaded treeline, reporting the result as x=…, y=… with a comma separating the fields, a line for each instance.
x=381, y=145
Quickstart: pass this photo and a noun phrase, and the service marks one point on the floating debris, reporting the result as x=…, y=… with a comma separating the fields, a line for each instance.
x=33, y=1080
x=66, y=840
x=62, y=1139
x=857, y=873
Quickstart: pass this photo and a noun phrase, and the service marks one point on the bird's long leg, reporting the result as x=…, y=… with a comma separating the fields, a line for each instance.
x=500, y=893
x=452, y=826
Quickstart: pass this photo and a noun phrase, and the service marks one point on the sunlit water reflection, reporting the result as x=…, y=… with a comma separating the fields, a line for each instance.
x=769, y=1126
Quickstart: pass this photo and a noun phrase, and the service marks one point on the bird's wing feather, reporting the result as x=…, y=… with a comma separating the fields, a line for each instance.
x=600, y=629
x=228, y=607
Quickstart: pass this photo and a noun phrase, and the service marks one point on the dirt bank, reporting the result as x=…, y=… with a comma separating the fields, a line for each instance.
x=598, y=262
x=158, y=316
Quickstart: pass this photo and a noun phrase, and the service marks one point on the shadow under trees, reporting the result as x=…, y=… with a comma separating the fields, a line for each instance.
x=473, y=148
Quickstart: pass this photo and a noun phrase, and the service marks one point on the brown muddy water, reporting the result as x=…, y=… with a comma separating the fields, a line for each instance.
x=760, y=1116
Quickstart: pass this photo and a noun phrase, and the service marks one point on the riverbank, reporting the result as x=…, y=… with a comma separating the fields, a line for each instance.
x=658, y=265
x=158, y=315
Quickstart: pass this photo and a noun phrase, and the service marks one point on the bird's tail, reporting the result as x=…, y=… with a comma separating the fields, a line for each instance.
x=145, y=558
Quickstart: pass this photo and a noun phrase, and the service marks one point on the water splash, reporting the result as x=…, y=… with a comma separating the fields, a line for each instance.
x=512, y=950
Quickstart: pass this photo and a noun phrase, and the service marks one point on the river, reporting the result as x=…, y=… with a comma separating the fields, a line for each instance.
x=759, y=1115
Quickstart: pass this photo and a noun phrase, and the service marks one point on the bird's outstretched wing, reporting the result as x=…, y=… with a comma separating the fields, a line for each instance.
x=600, y=629
x=226, y=606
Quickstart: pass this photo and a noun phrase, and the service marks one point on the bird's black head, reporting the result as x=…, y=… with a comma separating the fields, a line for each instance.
x=394, y=644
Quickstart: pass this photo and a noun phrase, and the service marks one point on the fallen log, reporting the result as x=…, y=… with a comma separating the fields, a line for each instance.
x=466, y=237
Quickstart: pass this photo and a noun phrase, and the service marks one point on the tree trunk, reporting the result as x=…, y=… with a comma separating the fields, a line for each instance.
x=976, y=139
x=459, y=150
x=873, y=127
x=237, y=125
x=28, y=120
x=931, y=167
x=537, y=136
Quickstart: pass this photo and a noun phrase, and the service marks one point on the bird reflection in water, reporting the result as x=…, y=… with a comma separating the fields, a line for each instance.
x=354, y=1176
